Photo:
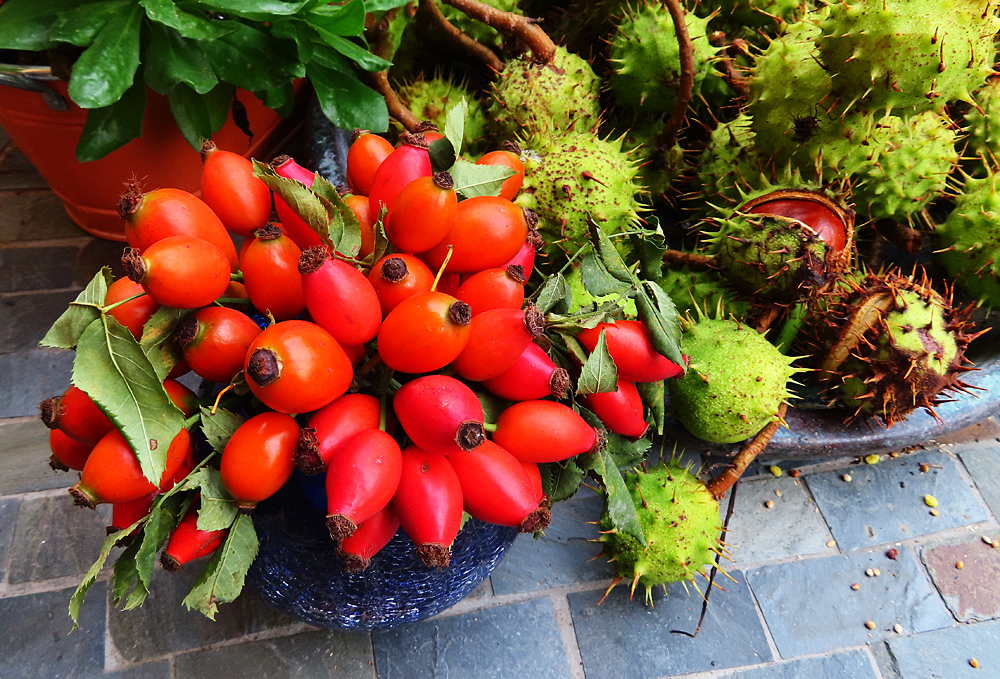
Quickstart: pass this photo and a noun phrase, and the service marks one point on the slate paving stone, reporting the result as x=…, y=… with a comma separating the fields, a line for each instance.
x=945, y=654
x=37, y=268
x=313, y=655
x=972, y=593
x=793, y=526
x=623, y=639
x=36, y=639
x=35, y=215
x=54, y=538
x=153, y=670
x=35, y=313
x=516, y=640
x=96, y=254
x=28, y=377
x=849, y=665
x=810, y=607
x=562, y=556
x=162, y=625
x=8, y=517
x=885, y=502
x=24, y=459
x=982, y=459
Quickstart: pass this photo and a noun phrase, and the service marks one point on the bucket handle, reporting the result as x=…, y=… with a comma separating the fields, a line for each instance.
x=29, y=78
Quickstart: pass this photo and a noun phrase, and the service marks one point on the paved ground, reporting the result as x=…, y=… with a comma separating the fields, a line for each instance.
x=834, y=578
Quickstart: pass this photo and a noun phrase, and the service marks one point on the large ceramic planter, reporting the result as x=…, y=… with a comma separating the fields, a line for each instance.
x=298, y=571
x=46, y=126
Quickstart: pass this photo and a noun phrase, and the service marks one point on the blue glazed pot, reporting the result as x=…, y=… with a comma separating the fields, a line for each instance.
x=298, y=571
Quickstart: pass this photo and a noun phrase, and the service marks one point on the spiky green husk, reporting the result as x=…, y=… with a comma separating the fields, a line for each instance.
x=660, y=171
x=912, y=169
x=787, y=87
x=899, y=345
x=728, y=161
x=645, y=58
x=970, y=239
x=755, y=13
x=692, y=289
x=477, y=30
x=567, y=178
x=680, y=521
x=908, y=55
x=559, y=97
x=432, y=98
x=982, y=125
x=735, y=383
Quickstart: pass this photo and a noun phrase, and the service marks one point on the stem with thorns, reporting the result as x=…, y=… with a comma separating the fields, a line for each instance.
x=724, y=481
x=685, y=89
x=383, y=47
x=472, y=46
x=520, y=27
x=692, y=260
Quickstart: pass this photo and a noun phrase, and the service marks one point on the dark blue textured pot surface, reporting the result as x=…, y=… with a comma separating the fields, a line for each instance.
x=298, y=571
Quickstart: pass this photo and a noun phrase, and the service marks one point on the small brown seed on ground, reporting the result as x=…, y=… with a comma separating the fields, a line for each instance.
x=973, y=662
x=897, y=628
x=794, y=473
x=892, y=554
x=924, y=468
x=870, y=624
x=856, y=586
x=769, y=504
x=960, y=565
x=831, y=543
x=934, y=512
x=846, y=477
x=870, y=572
x=988, y=541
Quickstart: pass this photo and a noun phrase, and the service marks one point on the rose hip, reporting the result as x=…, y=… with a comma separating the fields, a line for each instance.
x=544, y=431
x=339, y=297
x=362, y=478
x=533, y=376
x=330, y=426
x=440, y=414
x=428, y=503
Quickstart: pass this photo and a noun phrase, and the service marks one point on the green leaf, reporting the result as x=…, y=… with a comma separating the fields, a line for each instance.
x=165, y=515
x=84, y=310
x=191, y=114
x=301, y=199
x=106, y=69
x=582, y=320
x=218, y=509
x=80, y=25
x=198, y=27
x=110, y=368
x=384, y=5
x=252, y=59
x=109, y=128
x=162, y=12
x=344, y=228
x=126, y=573
x=346, y=101
x=156, y=344
x=492, y=405
x=219, y=427
x=260, y=10
x=478, y=180
x=553, y=291
x=653, y=398
x=223, y=577
x=90, y=577
x=347, y=20
x=626, y=453
x=659, y=316
x=599, y=374
x=280, y=99
x=25, y=24
x=561, y=480
x=574, y=348
x=648, y=247
x=618, y=501
x=597, y=280
x=610, y=257
x=356, y=53
x=454, y=124
x=381, y=239
x=442, y=154
x=171, y=59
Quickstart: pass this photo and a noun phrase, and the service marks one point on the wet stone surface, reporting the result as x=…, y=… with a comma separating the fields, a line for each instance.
x=623, y=639
x=153, y=670
x=28, y=377
x=946, y=653
x=35, y=313
x=24, y=459
x=982, y=459
x=971, y=592
x=849, y=665
x=516, y=640
x=8, y=517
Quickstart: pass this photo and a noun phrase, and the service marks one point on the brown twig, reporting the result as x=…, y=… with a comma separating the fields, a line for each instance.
x=685, y=89
x=722, y=483
x=472, y=46
x=731, y=74
x=692, y=260
x=380, y=81
x=521, y=27
x=902, y=236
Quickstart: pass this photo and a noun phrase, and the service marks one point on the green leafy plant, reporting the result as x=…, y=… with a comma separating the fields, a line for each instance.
x=198, y=53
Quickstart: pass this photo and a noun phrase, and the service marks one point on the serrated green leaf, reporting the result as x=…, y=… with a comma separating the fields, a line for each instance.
x=584, y=320
x=652, y=394
x=627, y=453
x=610, y=257
x=223, y=577
x=454, y=124
x=156, y=342
x=597, y=280
x=172, y=59
x=163, y=518
x=90, y=577
x=574, y=348
x=218, y=509
x=492, y=405
x=110, y=368
x=478, y=180
x=442, y=154
x=301, y=199
x=84, y=310
x=551, y=292
x=106, y=69
x=561, y=480
x=619, y=503
x=111, y=127
x=219, y=427
x=659, y=316
x=381, y=239
x=599, y=373
x=648, y=246
x=346, y=101
x=344, y=229
x=125, y=572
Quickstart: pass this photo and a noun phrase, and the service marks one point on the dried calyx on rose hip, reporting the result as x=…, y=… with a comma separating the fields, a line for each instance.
x=898, y=345
x=783, y=245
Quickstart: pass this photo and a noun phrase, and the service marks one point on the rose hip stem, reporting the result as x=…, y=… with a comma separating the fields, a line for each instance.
x=466, y=42
x=724, y=481
x=685, y=88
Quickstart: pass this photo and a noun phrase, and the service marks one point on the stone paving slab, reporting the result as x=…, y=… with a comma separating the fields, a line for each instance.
x=54, y=538
x=8, y=517
x=516, y=640
x=793, y=526
x=36, y=640
x=945, y=654
x=24, y=459
x=162, y=625
x=972, y=592
x=33, y=215
x=623, y=639
x=563, y=556
x=35, y=313
x=313, y=655
x=849, y=665
x=153, y=670
x=884, y=502
x=37, y=268
x=28, y=377
x=810, y=607
x=982, y=459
